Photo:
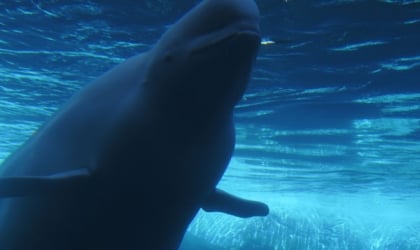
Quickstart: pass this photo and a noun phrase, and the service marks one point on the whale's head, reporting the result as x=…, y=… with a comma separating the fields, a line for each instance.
x=203, y=62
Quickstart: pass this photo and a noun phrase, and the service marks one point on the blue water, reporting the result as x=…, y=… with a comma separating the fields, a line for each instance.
x=328, y=133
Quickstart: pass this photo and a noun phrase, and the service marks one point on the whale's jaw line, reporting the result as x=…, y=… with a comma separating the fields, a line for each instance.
x=251, y=36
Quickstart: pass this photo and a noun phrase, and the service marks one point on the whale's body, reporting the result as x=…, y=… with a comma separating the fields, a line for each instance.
x=130, y=159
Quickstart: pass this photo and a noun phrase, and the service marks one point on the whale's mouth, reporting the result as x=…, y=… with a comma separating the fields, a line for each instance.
x=226, y=36
x=231, y=39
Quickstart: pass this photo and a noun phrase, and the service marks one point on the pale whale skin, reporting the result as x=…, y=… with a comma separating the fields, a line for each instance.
x=129, y=160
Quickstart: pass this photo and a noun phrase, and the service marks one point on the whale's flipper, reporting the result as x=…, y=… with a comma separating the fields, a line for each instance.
x=40, y=185
x=222, y=201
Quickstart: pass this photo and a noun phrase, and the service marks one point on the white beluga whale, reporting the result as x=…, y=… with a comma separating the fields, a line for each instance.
x=132, y=157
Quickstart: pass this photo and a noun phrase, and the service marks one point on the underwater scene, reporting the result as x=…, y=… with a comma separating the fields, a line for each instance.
x=327, y=133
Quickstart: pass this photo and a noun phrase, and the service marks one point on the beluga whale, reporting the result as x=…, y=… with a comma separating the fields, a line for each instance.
x=129, y=160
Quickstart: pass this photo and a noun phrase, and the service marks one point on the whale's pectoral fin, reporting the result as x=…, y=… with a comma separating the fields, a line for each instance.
x=222, y=201
x=40, y=185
